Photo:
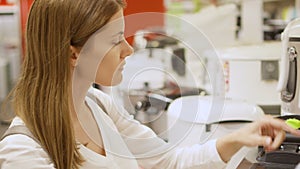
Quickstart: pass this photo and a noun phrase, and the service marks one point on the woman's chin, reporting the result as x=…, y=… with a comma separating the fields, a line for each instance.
x=114, y=82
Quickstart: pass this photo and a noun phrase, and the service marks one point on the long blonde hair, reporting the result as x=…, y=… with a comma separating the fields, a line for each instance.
x=41, y=96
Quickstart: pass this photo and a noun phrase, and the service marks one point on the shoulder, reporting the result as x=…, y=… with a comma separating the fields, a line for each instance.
x=21, y=151
x=20, y=145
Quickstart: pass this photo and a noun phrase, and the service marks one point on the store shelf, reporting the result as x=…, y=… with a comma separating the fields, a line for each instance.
x=8, y=10
x=265, y=1
x=272, y=0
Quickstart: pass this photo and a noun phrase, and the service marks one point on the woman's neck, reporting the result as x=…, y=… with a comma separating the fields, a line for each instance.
x=79, y=89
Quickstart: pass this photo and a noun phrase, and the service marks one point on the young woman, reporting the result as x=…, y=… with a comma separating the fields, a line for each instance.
x=71, y=44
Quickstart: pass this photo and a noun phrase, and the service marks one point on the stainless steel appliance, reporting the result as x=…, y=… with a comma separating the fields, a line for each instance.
x=10, y=54
x=289, y=81
x=250, y=69
x=4, y=78
x=288, y=154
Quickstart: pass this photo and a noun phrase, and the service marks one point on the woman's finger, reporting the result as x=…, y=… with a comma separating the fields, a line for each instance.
x=268, y=131
x=278, y=139
x=259, y=140
x=279, y=124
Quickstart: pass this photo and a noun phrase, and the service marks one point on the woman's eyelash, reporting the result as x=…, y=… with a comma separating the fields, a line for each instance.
x=116, y=43
x=120, y=39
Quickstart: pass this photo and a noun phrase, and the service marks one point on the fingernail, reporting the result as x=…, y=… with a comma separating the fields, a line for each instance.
x=268, y=141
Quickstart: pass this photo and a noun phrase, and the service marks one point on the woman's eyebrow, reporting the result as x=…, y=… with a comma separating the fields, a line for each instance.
x=119, y=33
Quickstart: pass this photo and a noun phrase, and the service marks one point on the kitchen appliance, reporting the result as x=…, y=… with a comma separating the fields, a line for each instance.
x=251, y=73
x=290, y=75
x=287, y=156
x=273, y=28
x=149, y=105
x=4, y=78
x=10, y=40
x=197, y=119
x=10, y=55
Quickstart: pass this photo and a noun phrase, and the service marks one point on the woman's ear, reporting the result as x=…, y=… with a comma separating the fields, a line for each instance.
x=74, y=56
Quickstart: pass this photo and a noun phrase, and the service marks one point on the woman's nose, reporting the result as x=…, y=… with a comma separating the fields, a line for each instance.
x=128, y=50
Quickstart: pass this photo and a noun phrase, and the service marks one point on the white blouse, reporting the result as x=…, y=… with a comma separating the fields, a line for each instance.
x=128, y=144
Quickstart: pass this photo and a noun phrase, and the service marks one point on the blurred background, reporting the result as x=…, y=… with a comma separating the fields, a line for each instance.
x=245, y=33
x=237, y=55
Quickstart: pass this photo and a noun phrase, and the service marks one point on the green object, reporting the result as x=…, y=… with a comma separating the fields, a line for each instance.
x=197, y=4
x=176, y=8
x=294, y=123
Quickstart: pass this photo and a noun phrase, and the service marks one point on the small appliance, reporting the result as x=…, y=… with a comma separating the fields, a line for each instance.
x=289, y=82
x=197, y=119
x=287, y=156
x=251, y=73
x=4, y=78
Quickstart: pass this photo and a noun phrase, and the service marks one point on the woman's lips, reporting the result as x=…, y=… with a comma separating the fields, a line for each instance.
x=121, y=67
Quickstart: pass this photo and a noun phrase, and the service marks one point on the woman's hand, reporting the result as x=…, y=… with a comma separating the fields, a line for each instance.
x=268, y=132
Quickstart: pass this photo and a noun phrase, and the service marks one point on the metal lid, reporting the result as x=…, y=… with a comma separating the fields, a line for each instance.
x=199, y=110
